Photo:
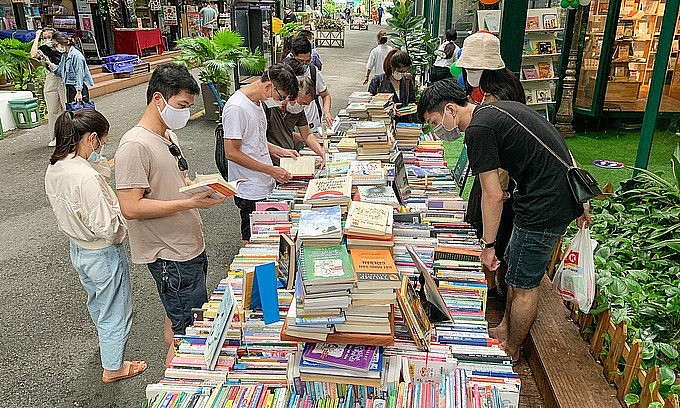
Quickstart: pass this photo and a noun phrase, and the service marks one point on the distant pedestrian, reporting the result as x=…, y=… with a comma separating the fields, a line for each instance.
x=208, y=20
x=442, y=65
x=376, y=58
x=289, y=16
x=348, y=15
x=317, y=13
x=72, y=69
x=380, y=14
x=374, y=16
x=316, y=59
x=54, y=90
x=87, y=211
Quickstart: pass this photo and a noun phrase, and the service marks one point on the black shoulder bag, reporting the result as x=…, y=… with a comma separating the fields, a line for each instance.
x=583, y=186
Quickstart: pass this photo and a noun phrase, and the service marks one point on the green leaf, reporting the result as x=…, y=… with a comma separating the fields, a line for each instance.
x=631, y=399
x=668, y=350
x=666, y=375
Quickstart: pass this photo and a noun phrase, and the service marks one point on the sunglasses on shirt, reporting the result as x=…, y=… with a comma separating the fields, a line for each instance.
x=181, y=161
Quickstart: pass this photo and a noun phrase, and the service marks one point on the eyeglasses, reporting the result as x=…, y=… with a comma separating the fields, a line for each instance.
x=181, y=161
x=281, y=98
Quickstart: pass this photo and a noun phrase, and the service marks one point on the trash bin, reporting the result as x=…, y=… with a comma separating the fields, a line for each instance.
x=26, y=113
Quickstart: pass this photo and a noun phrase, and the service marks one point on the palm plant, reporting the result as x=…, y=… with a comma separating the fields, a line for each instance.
x=216, y=58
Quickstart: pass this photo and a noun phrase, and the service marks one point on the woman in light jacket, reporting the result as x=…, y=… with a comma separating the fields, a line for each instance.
x=72, y=69
x=87, y=211
x=53, y=90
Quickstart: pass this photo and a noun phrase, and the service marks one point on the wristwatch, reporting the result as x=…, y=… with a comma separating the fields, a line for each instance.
x=485, y=244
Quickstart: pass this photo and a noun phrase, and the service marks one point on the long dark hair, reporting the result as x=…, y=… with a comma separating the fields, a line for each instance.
x=501, y=83
x=70, y=128
x=396, y=59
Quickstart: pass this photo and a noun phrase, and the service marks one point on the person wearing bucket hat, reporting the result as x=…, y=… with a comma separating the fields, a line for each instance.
x=484, y=72
x=543, y=203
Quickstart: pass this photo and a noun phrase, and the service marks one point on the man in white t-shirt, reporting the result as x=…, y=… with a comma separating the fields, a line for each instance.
x=301, y=49
x=245, y=139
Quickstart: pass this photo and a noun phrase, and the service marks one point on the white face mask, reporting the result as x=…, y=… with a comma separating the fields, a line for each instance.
x=272, y=103
x=60, y=48
x=474, y=76
x=397, y=75
x=294, y=108
x=174, y=118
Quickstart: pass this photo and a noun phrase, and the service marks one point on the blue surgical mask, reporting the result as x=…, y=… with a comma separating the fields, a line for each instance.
x=96, y=156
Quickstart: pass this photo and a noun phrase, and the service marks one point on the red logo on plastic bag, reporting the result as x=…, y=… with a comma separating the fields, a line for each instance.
x=571, y=259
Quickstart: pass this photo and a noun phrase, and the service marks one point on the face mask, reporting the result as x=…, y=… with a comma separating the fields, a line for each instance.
x=474, y=76
x=47, y=42
x=96, y=156
x=397, y=75
x=294, y=109
x=174, y=118
x=478, y=95
x=446, y=134
x=60, y=48
x=272, y=103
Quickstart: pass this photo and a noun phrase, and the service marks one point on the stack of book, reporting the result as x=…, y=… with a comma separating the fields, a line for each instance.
x=367, y=173
x=340, y=363
x=357, y=110
x=407, y=135
x=347, y=144
x=320, y=227
x=372, y=140
x=328, y=192
x=369, y=225
x=271, y=222
x=379, y=107
x=359, y=97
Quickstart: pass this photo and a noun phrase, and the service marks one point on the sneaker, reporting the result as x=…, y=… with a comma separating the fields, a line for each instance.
x=53, y=143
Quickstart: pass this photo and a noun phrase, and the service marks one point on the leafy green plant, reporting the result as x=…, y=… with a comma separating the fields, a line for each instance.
x=17, y=66
x=411, y=36
x=638, y=266
x=217, y=57
x=330, y=10
x=290, y=29
x=330, y=24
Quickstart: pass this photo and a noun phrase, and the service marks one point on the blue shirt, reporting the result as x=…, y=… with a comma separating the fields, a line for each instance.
x=73, y=70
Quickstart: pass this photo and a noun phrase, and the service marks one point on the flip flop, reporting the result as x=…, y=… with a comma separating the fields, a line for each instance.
x=135, y=367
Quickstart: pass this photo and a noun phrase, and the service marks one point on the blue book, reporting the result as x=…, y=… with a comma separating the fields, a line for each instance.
x=265, y=284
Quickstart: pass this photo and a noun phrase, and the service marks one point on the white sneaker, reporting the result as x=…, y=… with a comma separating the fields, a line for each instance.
x=53, y=143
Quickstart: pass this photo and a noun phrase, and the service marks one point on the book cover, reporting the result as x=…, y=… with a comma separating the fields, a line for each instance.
x=205, y=182
x=528, y=47
x=545, y=47
x=545, y=70
x=417, y=322
x=319, y=223
x=272, y=206
x=492, y=21
x=326, y=265
x=218, y=333
x=329, y=188
x=529, y=72
x=287, y=261
x=299, y=167
x=529, y=96
x=353, y=357
x=542, y=95
x=378, y=195
x=549, y=21
x=532, y=23
x=367, y=216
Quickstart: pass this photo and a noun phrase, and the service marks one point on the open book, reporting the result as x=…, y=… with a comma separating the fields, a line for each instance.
x=302, y=167
x=205, y=182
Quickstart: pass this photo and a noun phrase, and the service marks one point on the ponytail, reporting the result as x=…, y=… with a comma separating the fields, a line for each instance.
x=70, y=128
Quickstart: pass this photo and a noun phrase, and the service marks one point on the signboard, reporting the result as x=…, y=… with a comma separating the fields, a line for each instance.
x=170, y=15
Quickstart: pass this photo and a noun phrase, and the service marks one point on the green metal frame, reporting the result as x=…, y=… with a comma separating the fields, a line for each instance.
x=512, y=37
x=435, y=17
x=670, y=18
x=449, y=14
x=427, y=7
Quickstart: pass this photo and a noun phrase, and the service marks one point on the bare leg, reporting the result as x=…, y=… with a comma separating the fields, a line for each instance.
x=522, y=315
x=500, y=332
x=167, y=335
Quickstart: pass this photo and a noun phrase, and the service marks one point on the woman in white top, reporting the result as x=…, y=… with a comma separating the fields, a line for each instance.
x=442, y=65
x=87, y=211
x=376, y=58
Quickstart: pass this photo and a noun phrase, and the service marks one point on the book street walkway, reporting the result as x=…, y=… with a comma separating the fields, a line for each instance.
x=49, y=355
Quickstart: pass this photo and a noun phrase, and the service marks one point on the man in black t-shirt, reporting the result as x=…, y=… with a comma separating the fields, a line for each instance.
x=543, y=203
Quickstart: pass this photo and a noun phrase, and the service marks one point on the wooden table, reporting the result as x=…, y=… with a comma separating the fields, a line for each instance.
x=135, y=40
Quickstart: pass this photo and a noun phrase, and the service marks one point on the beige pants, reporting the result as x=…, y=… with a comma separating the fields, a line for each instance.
x=55, y=99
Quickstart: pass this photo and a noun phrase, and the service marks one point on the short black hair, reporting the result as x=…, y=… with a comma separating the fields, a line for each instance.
x=296, y=66
x=283, y=78
x=437, y=95
x=308, y=34
x=396, y=59
x=301, y=45
x=169, y=79
x=451, y=35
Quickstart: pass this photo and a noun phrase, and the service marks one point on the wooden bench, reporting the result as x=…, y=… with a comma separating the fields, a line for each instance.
x=565, y=371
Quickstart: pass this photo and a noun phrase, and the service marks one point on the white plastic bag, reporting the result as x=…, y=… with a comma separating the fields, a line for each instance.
x=575, y=278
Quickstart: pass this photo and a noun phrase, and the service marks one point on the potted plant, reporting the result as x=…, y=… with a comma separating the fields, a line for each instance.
x=216, y=59
x=18, y=68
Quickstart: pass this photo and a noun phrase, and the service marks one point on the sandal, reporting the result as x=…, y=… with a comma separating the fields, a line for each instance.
x=134, y=368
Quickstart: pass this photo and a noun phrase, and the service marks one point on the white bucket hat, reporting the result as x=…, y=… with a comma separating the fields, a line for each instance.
x=481, y=50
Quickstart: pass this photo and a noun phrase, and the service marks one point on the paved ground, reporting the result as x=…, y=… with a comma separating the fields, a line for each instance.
x=49, y=355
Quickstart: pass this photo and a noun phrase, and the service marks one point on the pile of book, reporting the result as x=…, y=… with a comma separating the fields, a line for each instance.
x=378, y=194
x=321, y=226
x=327, y=192
x=357, y=110
x=372, y=140
x=407, y=135
x=359, y=97
x=340, y=363
x=367, y=173
x=369, y=225
x=379, y=107
x=271, y=219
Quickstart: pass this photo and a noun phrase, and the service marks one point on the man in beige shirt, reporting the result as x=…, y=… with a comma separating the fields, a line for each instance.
x=164, y=225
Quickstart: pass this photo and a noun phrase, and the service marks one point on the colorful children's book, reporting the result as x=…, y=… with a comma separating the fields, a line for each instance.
x=545, y=70
x=326, y=265
x=529, y=72
x=528, y=47
x=549, y=21
x=532, y=23
x=352, y=357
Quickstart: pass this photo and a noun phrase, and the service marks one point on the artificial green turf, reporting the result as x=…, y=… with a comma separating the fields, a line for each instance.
x=615, y=145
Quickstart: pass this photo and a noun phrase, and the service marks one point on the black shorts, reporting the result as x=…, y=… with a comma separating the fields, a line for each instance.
x=246, y=207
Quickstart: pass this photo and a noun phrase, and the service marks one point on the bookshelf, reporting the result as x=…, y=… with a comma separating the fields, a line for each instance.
x=540, y=57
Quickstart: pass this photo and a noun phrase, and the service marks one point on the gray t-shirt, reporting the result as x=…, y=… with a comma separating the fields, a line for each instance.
x=208, y=15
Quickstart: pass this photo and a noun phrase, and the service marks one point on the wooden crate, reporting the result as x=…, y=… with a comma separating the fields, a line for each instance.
x=622, y=91
x=325, y=38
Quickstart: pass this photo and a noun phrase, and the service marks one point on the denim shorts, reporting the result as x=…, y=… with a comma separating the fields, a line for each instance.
x=528, y=254
x=184, y=288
